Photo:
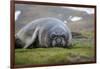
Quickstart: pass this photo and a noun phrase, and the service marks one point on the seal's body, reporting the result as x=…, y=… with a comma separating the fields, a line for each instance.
x=48, y=32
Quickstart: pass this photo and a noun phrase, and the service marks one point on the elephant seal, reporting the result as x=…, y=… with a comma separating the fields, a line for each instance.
x=46, y=32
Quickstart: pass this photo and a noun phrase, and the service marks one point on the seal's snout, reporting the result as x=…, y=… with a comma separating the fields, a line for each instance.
x=58, y=41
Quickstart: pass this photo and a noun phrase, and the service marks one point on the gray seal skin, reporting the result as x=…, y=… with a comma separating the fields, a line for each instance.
x=48, y=32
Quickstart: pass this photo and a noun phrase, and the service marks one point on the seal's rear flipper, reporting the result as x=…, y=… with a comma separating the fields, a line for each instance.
x=18, y=43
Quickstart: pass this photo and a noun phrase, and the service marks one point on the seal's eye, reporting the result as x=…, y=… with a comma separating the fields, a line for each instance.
x=63, y=36
x=53, y=36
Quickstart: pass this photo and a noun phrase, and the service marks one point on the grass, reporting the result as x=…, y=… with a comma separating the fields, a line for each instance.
x=82, y=51
x=54, y=55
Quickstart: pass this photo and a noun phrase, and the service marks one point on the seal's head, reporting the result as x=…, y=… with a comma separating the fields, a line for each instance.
x=58, y=37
